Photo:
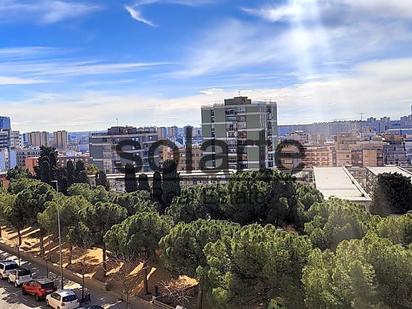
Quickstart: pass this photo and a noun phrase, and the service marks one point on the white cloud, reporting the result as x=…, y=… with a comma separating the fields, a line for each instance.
x=44, y=11
x=136, y=15
x=10, y=80
x=30, y=63
x=372, y=87
x=332, y=10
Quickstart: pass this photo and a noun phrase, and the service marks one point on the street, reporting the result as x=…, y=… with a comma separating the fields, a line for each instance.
x=11, y=297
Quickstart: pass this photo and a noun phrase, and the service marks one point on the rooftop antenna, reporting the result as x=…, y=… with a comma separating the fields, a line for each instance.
x=361, y=116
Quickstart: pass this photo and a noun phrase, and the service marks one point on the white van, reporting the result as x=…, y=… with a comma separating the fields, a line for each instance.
x=19, y=275
x=6, y=267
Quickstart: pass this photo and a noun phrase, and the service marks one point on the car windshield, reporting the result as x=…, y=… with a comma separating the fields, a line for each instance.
x=49, y=285
x=69, y=298
x=11, y=266
x=24, y=272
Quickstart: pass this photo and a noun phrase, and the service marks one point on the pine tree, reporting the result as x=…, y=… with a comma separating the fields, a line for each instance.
x=130, y=178
x=144, y=183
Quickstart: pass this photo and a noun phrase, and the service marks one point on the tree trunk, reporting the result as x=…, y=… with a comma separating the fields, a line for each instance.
x=41, y=245
x=19, y=236
x=104, y=259
x=145, y=281
x=200, y=297
x=70, y=254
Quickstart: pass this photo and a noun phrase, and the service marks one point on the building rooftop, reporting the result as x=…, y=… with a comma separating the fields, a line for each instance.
x=389, y=169
x=338, y=182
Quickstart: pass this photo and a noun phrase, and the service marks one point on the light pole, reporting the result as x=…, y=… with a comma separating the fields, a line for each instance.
x=60, y=238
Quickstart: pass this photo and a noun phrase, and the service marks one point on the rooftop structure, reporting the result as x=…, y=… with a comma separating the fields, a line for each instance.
x=338, y=182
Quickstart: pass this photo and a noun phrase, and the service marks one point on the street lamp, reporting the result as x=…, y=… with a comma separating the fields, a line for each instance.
x=60, y=238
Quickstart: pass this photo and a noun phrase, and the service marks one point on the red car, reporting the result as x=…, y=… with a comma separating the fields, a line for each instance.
x=38, y=288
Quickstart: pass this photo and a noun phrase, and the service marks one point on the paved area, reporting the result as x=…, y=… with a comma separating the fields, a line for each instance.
x=11, y=297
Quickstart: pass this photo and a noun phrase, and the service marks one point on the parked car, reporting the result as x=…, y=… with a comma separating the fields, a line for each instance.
x=6, y=267
x=19, y=276
x=39, y=288
x=62, y=299
x=91, y=307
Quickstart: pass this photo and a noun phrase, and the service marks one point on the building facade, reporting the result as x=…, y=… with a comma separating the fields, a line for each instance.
x=60, y=140
x=103, y=147
x=235, y=123
x=36, y=139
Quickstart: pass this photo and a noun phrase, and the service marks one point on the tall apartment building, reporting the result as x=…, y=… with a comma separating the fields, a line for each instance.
x=103, y=147
x=4, y=139
x=60, y=140
x=15, y=140
x=37, y=139
x=162, y=132
x=235, y=122
x=5, y=123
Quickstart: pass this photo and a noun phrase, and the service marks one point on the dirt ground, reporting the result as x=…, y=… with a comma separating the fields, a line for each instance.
x=121, y=275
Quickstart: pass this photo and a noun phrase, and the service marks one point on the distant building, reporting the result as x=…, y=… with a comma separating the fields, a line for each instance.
x=394, y=151
x=184, y=161
x=31, y=163
x=103, y=147
x=37, y=139
x=62, y=159
x=23, y=153
x=5, y=123
x=4, y=139
x=60, y=140
x=235, y=122
x=15, y=140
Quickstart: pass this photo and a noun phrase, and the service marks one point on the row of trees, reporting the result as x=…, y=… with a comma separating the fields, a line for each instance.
x=260, y=238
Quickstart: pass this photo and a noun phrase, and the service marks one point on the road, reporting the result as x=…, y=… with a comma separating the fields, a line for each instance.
x=11, y=297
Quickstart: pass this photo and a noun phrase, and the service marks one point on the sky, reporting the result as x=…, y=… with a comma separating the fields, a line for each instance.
x=86, y=65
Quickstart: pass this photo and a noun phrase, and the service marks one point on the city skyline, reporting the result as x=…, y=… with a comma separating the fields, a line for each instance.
x=67, y=67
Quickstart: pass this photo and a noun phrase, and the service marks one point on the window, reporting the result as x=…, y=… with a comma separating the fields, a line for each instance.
x=69, y=298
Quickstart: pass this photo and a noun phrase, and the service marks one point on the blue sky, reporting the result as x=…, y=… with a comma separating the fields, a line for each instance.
x=80, y=64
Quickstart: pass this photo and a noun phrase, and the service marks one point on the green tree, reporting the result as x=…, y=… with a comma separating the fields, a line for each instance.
x=79, y=167
x=73, y=231
x=198, y=202
x=98, y=219
x=182, y=249
x=254, y=266
x=392, y=195
x=134, y=202
x=157, y=188
x=83, y=178
x=45, y=171
x=70, y=173
x=130, y=178
x=138, y=237
x=143, y=183
x=263, y=197
x=101, y=180
x=17, y=173
x=170, y=184
x=335, y=220
x=91, y=169
x=6, y=202
x=93, y=195
x=396, y=228
x=27, y=205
